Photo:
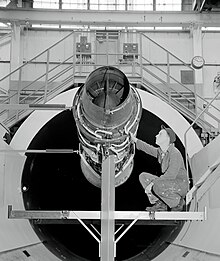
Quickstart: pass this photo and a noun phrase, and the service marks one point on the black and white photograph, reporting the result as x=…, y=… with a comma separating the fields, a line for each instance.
x=109, y=130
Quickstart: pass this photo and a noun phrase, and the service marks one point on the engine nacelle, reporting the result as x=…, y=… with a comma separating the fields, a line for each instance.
x=106, y=109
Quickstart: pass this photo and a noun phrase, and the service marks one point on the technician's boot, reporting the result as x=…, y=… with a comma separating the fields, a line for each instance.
x=159, y=206
x=180, y=206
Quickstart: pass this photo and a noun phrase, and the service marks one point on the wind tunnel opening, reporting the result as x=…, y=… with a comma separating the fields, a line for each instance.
x=56, y=182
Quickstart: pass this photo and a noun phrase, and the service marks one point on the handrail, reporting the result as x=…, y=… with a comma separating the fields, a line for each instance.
x=57, y=75
x=39, y=99
x=40, y=88
x=189, y=100
x=144, y=80
x=39, y=77
x=5, y=36
x=167, y=74
x=5, y=127
x=29, y=61
x=195, y=120
x=167, y=51
x=202, y=121
x=197, y=95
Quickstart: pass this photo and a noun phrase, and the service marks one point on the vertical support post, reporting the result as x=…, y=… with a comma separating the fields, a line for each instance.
x=16, y=55
x=154, y=5
x=96, y=50
x=107, y=48
x=60, y=4
x=198, y=73
x=107, y=247
x=168, y=77
x=195, y=94
x=74, y=56
x=140, y=57
x=19, y=91
x=133, y=67
x=16, y=58
x=80, y=63
x=19, y=85
x=118, y=49
x=46, y=76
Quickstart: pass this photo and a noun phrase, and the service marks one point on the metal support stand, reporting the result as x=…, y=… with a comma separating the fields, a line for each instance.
x=108, y=215
x=156, y=217
x=107, y=250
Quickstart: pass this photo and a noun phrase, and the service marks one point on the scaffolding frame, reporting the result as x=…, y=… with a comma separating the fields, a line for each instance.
x=107, y=215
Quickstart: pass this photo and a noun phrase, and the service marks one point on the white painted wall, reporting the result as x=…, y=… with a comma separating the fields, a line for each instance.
x=4, y=60
x=211, y=54
x=180, y=43
x=35, y=42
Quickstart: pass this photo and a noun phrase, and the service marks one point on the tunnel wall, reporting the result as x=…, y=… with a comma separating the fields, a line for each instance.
x=202, y=160
x=204, y=236
x=20, y=232
x=13, y=233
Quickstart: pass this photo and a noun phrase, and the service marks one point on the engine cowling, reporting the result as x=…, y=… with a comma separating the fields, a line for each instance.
x=106, y=109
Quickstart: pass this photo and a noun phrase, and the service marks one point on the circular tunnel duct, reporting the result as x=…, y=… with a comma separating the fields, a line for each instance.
x=55, y=182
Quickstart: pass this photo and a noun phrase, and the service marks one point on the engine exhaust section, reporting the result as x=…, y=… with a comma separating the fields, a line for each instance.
x=105, y=110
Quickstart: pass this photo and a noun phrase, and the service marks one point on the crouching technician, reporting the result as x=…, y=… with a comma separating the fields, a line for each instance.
x=168, y=191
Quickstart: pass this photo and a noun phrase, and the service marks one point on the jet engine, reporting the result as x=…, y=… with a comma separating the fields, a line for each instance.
x=106, y=109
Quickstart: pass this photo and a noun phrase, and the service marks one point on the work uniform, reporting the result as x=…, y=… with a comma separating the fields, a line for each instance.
x=173, y=184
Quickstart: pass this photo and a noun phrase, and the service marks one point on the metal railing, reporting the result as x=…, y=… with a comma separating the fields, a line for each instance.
x=46, y=75
x=173, y=97
x=4, y=40
x=40, y=85
x=7, y=35
x=167, y=75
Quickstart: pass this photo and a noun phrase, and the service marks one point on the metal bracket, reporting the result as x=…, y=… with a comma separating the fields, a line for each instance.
x=152, y=215
x=134, y=216
x=65, y=214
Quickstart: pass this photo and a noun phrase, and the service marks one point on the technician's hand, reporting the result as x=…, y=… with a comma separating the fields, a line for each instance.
x=133, y=138
x=148, y=188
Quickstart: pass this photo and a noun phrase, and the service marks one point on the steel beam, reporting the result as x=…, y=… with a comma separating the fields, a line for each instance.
x=48, y=151
x=107, y=246
x=96, y=222
x=96, y=215
x=108, y=18
x=33, y=106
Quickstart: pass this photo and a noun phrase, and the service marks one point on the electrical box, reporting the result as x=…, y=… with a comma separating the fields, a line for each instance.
x=130, y=51
x=187, y=77
x=83, y=47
